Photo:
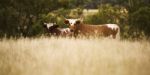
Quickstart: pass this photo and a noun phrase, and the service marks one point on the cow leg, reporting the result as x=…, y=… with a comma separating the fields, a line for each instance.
x=114, y=36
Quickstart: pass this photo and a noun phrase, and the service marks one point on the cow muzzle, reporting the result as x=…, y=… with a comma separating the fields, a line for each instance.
x=71, y=30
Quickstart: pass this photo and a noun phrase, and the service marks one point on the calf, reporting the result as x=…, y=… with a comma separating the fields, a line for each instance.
x=54, y=29
x=105, y=30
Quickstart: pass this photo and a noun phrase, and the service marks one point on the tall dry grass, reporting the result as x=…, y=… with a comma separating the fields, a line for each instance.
x=69, y=56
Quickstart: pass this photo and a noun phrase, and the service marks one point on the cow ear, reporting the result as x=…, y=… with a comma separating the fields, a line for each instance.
x=78, y=22
x=66, y=21
x=44, y=25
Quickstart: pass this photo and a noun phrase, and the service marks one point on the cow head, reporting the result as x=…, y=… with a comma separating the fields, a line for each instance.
x=50, y=26
x=72, y=23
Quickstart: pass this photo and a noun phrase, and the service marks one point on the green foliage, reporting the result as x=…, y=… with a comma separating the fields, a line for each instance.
x=56, y=16
x=8, y=21
x=108, y=14
x=59, y=15
x=19, y=17
x=25, y=17
x=139, y=21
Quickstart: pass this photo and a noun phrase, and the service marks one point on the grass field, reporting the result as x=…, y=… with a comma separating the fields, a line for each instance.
x=69, y=56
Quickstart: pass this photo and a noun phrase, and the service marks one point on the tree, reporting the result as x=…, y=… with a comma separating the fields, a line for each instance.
x=139, y=21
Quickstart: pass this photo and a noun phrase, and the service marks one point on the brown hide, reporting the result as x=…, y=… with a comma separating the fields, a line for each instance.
x=95, y=30
x=56, y=31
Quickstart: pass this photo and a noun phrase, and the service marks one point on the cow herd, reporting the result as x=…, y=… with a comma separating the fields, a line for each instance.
x=55, y=30
x=77, y=28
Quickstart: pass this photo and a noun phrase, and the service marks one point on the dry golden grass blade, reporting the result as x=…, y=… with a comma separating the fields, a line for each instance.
x=70, y=56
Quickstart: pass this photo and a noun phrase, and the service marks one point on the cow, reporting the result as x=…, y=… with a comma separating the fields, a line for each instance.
x=106, y=30
x=55, y=30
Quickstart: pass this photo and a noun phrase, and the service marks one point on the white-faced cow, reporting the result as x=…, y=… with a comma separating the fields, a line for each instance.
x=105, y=30
x=55, y=30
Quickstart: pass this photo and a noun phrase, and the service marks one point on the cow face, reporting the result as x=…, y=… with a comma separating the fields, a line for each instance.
x=50, y=26
x=72, y=23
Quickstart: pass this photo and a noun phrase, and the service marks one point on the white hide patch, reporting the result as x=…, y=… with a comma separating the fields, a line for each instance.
x=48, y=25
x=112, y=26
x=66, y=30
x=72, y=21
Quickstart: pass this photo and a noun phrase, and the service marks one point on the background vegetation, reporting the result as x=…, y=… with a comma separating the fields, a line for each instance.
x=25, y=17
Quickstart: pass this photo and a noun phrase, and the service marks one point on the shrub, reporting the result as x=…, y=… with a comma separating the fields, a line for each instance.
x=139, y=21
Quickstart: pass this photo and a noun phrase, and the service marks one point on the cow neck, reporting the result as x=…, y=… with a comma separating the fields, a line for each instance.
x=80, y=26
x=56, y=31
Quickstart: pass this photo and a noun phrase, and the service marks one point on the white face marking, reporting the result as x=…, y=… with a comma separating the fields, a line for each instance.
x=112, y=26
x=48, y=25
x=72, y=21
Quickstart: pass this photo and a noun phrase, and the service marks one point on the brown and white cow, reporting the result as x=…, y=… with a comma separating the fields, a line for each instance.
x=55, y=30
x=106, y=30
